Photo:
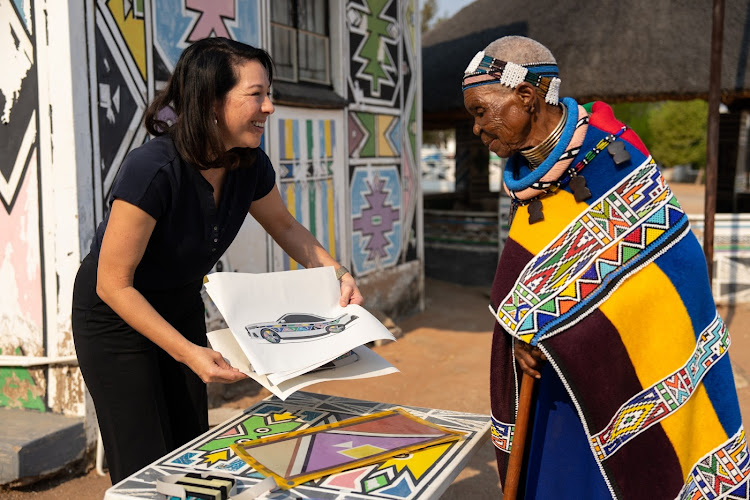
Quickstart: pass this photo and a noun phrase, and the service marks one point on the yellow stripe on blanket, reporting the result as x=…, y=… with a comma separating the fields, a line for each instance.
x=694, y=427
x=559, y=209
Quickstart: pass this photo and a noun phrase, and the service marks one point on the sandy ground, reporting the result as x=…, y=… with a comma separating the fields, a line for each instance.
x=444, y=361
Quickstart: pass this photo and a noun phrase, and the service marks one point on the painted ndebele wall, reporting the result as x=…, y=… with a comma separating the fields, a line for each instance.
x=77, y=78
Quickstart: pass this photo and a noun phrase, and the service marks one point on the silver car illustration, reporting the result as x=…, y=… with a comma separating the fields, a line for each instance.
x=298, y=327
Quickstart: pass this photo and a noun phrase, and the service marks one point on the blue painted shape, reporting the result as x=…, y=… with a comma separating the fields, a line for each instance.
x=605, y=268
x=400, y=489
x=590, y=274
x=658, y=218
x=173, y=22
x=21, y=14
x=185, y=459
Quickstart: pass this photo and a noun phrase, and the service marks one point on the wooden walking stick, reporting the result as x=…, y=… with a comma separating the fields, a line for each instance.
x=515, y=462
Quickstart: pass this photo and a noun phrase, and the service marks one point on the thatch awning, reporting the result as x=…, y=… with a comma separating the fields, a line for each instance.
x=639, y=50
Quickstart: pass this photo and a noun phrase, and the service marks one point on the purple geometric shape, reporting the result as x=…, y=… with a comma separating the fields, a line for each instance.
x=323, y=451
x=377, y=219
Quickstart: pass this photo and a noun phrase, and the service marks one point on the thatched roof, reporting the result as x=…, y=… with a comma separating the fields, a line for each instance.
x=634, y=50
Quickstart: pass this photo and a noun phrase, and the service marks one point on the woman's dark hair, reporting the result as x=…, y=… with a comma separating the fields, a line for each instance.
x=205, y=72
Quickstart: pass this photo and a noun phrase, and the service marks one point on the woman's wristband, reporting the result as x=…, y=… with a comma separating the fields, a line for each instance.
x=340, y=272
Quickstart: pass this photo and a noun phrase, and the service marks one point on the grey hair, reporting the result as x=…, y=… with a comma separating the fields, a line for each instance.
x=519, y=50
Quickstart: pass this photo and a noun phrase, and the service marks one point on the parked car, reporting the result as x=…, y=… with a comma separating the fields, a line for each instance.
x=298, y=327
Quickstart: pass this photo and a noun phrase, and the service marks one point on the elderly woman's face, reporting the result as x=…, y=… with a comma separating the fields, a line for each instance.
x=500, y=119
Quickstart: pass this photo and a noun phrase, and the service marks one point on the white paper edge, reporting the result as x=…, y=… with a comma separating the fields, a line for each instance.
x=370, y=364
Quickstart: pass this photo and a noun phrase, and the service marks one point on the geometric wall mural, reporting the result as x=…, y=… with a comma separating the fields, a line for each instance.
x=376, y=218
x=410, y=170
x=119, y=73
x=374, y=135
x=21, y=260
x=306, y=162
x=18, y=99
x=382, y=132
x=179, y=23
x=373, y=41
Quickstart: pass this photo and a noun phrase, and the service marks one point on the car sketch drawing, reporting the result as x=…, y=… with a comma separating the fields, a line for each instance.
x=298, y=327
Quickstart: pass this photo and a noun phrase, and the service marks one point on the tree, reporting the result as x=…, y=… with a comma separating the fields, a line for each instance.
x=679, y=133
x=429, y=15
x=636, y=115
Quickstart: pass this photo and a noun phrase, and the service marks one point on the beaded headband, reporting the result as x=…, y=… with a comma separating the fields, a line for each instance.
x=483, y=70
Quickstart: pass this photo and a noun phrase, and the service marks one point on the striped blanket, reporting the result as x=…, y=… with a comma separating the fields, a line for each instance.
x=614, y=291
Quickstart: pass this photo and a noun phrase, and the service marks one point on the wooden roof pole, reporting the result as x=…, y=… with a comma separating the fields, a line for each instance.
x=712, y=141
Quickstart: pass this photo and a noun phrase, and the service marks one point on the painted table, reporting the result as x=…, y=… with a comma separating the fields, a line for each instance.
x=420, y=475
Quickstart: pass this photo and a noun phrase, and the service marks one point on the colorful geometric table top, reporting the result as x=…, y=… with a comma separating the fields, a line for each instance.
x=421, y=474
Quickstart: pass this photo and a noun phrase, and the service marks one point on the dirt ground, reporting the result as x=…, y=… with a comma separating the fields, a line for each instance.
x=443, y=357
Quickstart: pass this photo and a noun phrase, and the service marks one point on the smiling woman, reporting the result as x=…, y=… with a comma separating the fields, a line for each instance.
x=242, y=114
x=177, y=204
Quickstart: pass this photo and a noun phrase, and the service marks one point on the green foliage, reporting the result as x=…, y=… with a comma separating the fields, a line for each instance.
x=680, y=132
x=636, y=116
x=673, y=131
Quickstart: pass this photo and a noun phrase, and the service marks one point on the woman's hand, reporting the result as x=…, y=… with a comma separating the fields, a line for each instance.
x=350, y=294
x=530, y=358
x=211, y=366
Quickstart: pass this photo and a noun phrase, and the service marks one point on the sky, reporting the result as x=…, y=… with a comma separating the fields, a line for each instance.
x=446, y=8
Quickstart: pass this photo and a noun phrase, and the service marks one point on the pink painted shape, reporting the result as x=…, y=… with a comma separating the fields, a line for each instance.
x=409, y=186
x=348, y=480
x=234, y=431
x=210, y=17
x=20, y=230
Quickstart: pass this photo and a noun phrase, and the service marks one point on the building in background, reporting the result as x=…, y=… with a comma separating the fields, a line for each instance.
x=617, y=52
x=77, y=78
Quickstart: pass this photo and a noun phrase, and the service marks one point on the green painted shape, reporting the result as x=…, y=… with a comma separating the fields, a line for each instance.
x=628, y=253
x=312, y=208
x=555, y=258
x=309, y=139
x=250, y=426
x=376, y=482
x=9, y=378
x=377, y=29
x=368, y=121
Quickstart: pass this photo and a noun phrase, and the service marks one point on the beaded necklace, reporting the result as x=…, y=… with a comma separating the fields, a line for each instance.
x=571, y=176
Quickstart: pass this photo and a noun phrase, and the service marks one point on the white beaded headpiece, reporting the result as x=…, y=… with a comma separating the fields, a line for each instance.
x=483, y=70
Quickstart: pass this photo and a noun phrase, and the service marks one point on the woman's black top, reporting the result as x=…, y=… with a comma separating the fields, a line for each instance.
x=191, y=232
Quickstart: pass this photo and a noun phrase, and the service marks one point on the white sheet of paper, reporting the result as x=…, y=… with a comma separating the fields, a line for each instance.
x=273, y=318
x=369, y=364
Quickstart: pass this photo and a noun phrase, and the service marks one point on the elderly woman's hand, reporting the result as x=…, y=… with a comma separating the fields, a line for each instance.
x=530, y=358
x=350, y=294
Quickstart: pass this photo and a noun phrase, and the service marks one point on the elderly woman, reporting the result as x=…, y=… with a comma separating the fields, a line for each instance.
x=602, y=295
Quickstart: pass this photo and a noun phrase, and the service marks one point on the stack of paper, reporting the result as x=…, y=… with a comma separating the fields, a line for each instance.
x=287, y=330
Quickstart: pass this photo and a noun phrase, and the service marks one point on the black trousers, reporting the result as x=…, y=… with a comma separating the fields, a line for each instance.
x=147, y=403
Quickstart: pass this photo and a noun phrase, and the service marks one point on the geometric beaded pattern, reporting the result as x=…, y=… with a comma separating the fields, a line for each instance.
x=722, y=473
x=632, y=222
x=501, y=434
x=662, y=399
